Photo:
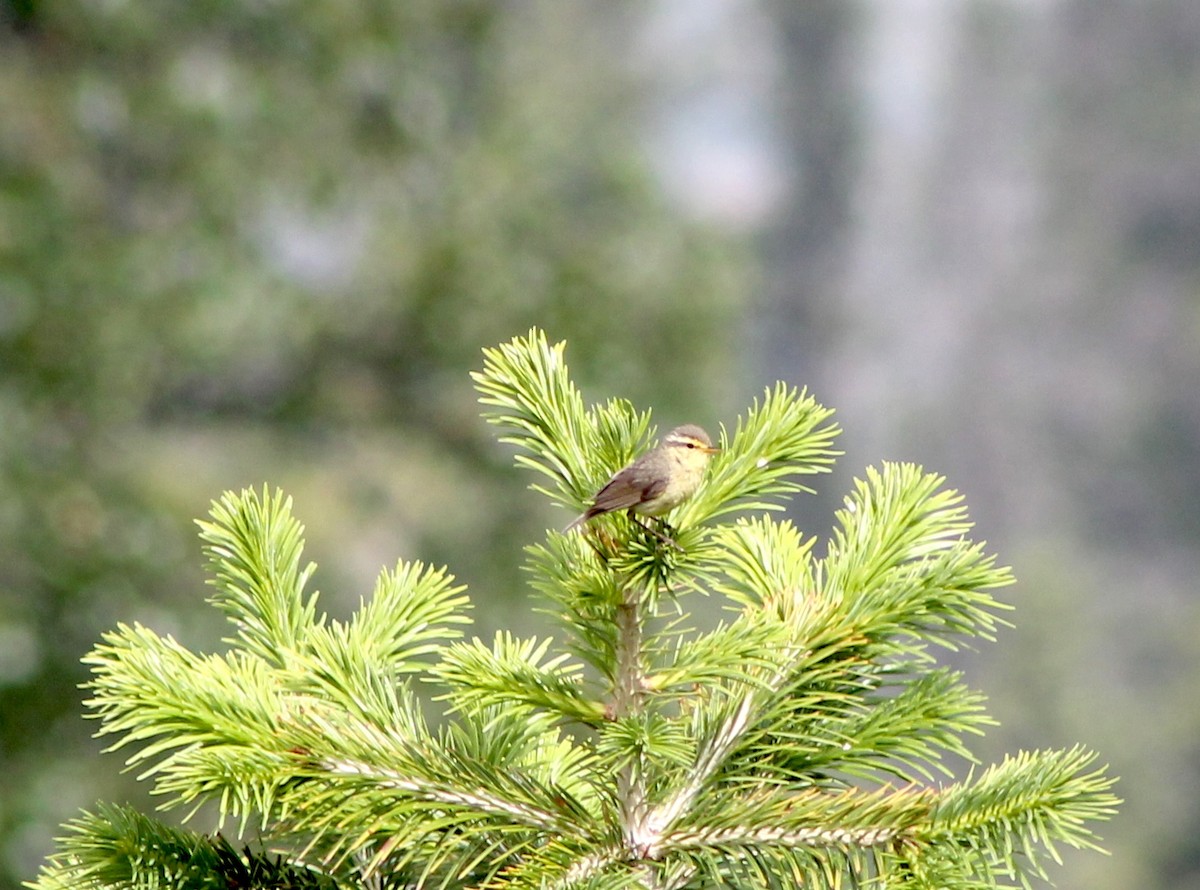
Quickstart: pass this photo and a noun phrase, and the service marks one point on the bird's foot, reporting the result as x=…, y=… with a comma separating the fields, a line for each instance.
x=666, y=539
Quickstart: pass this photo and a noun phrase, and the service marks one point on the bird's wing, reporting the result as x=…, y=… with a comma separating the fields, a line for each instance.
x=652, y=490
x=623, y=491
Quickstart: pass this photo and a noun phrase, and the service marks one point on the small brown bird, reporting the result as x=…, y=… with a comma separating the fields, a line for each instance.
x=661, y=479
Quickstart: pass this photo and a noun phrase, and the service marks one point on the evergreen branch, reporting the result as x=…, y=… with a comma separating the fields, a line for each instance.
x=642, y=562
x=1030, y=800
x=356, y=663
x=490, y=797
x=901, y=562
x=811, y=836
x=777, y=867
x=526, y=389
x=877, y=630
x=566, y=863
x=513, y=671
x=526, y=380
x=785, y=436
x=245, y=781
x=475, y=862
x=587, y=864
x=433, y=825
x=583, y=594
x=118, y=847
x=336, y=671
x=898, y=834
x=254, y=546
x=847, y=646
x=488, y=773
x=173, y=705
x=805, y=833
x=764, y=727
x=907, y=733
x=826, y=724
x=517, y=737
x=710, y=756
x=903, y=730
x=812, y=714
x=642, y=739
x=412, y=612
x=776, y=721
x=737, y=653
x=217, y=726
x=440, y=818
x=585, y=871
x=778, y=795
x=426, y=851
x=758, y=561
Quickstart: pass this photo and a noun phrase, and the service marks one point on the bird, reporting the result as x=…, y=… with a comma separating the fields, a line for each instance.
x=658, y=481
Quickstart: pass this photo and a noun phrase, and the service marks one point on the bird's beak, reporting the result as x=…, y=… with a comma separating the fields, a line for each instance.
x=711, y=449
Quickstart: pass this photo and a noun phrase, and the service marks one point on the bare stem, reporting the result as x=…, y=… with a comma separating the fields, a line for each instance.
x=628, y=693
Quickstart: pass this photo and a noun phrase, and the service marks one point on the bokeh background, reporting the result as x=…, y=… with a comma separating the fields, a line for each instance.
x=265, y=241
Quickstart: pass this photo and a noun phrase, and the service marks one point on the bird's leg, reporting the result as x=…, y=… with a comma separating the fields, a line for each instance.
x=670, y=542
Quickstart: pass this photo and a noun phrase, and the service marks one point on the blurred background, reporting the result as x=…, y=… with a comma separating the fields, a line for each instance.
x=264, y=242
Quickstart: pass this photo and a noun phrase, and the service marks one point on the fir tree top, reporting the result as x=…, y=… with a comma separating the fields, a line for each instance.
x=802, y=741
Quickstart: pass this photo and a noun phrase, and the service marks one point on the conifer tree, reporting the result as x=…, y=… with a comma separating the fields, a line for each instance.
x=802, y=741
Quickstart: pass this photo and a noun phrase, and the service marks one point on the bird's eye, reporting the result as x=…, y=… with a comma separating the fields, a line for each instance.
x=691, y=444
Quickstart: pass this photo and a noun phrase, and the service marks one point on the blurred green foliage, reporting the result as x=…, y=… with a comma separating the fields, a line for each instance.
x=246, y=242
